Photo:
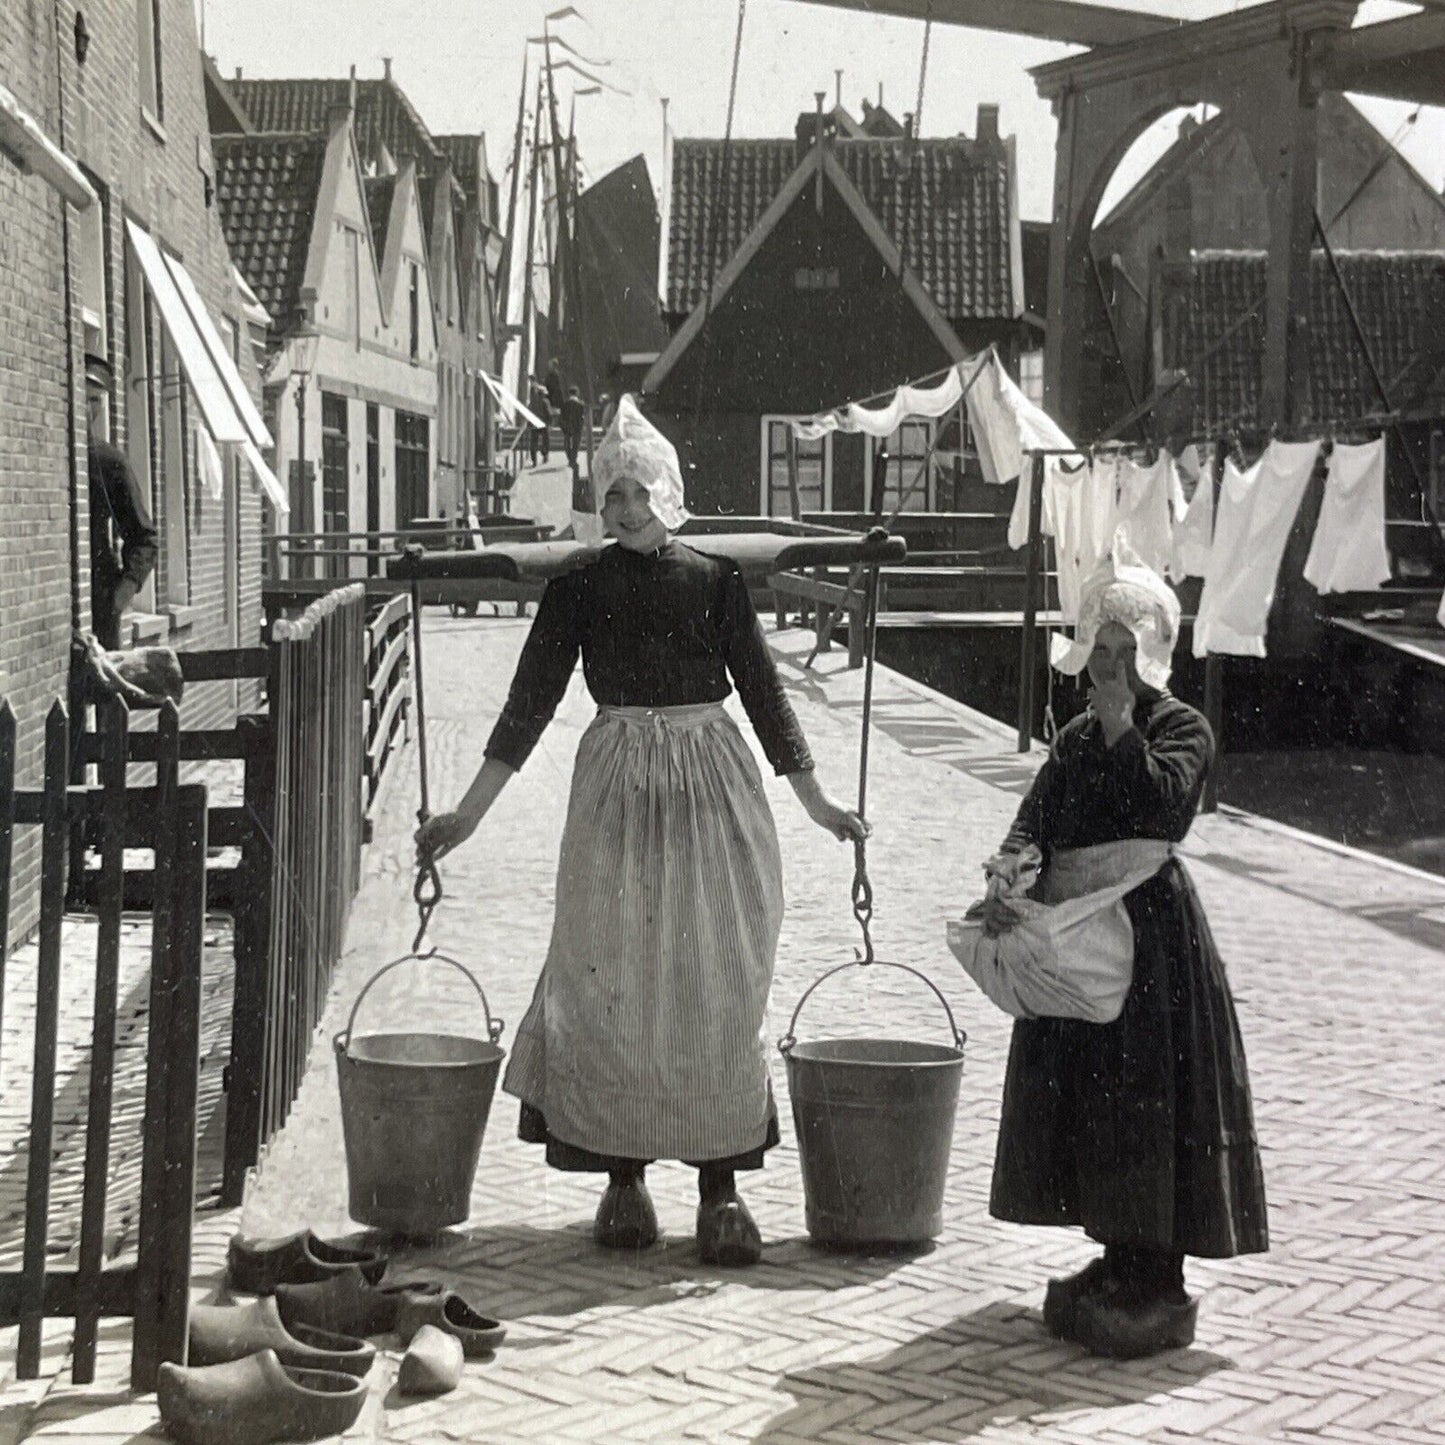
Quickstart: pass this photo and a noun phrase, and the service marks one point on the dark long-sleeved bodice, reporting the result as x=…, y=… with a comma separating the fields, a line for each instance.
x=661, y=629
x=1147, y=785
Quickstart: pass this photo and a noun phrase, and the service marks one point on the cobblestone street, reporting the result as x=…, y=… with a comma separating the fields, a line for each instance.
x=1338, y=1334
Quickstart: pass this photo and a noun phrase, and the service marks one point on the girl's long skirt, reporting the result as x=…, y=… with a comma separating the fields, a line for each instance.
x=644, y=1039
x=1140, y=1130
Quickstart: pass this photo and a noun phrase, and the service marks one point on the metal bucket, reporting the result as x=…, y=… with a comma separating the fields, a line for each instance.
x=414, y=1107
x=874, y=1122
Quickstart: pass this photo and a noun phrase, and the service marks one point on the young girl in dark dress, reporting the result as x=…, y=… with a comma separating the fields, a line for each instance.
x=644, y=1039
x=1140, y=1130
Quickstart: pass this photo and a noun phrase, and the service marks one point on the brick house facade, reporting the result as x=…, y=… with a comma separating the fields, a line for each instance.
x=118, y=89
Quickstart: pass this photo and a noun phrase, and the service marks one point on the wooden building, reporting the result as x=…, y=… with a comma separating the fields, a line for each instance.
x=787, y=293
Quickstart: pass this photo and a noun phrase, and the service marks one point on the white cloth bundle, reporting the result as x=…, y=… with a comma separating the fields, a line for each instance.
x=1072, y=956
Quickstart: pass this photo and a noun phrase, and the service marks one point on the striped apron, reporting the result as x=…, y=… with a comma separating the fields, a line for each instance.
x=644, y=1038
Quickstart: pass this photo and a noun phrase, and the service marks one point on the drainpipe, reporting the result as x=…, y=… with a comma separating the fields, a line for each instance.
x=71, y=433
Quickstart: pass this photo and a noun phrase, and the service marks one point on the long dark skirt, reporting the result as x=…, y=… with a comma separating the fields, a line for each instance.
x=1141, y=1130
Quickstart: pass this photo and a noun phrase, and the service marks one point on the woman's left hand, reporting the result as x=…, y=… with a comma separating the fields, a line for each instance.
x=841, y=822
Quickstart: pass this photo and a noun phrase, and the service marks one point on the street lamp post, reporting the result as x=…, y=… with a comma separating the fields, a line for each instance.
x=303, y=511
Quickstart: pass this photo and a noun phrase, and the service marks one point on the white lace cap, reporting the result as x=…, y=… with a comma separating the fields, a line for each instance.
x=633, y=447
x=1123, y=590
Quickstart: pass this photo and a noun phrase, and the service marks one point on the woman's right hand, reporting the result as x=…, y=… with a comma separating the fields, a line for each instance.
x=440, y=834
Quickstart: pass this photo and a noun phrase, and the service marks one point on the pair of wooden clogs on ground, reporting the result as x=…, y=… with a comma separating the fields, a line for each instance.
x=290, y=1364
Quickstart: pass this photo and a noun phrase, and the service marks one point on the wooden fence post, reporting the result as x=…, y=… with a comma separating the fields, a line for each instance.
x=252, y=991
x=113, y=724
x=55, y=843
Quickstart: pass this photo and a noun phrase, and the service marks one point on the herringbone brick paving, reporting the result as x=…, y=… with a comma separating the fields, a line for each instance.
x=1336, y=1335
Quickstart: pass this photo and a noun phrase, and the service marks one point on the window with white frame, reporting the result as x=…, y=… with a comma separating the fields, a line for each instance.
x=94, y=288
x=907, y=448
x=815, y=470
x=148, y=44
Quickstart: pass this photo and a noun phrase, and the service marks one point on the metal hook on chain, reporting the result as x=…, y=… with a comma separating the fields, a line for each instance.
x=863, y=899
x=426, y=892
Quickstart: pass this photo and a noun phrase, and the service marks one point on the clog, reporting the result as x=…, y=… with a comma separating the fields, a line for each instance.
x=255, y=1401
x=257, y=1266
x=432, y=1364
x=349, y=1303
x=221, y=1333
x=1105, y=1325
x=727, y=1233
x=479, y=1334
x=625, y=1216
x=1062, y=1297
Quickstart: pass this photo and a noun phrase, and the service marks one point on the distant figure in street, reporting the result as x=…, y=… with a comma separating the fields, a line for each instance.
x=606, y=410
x=1140, y=1131
x=555, y=392
x=122, y=535
x=574, y=414
x=644, y=1039
x=537, y=436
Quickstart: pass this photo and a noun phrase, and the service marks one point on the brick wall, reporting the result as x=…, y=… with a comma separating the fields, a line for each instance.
x=35, y=460
x=156, y=175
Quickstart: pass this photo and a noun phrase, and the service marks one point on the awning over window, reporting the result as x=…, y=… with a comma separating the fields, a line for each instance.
x=510, y=404
x=230, y=376
x=34, y=151
x=218, y=411
x=275, y=492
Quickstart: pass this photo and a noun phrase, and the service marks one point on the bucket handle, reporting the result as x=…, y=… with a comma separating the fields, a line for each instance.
x=494, y=1025
x=789, y=1039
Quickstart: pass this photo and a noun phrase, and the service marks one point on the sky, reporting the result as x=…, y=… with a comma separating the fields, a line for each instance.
x=460, y=62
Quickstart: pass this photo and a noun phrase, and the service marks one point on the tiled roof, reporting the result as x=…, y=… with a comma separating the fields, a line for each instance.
x=1400, y=299
x=266, y=186
x=384, y=116
x=379, y=192
x=958, y=242
x=464, y=152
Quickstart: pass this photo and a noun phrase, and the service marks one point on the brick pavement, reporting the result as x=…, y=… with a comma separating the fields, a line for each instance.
x=1337, y=1335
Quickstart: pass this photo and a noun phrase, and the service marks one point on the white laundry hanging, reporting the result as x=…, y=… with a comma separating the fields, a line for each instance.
x=1151, y=501
x=1007, y=426
x=1079, y=514
x=1193, y=537
x=1348, y=553
x=1256, y=511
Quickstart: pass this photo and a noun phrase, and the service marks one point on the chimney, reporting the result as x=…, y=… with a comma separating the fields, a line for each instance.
x=238, y=72
x=907, y=123
x=987, y=125
x=386, y=67
x=880, y=95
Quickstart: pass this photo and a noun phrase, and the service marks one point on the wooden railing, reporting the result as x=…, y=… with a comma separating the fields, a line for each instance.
x=337, y=557
x=387, y=704
x=300, y=866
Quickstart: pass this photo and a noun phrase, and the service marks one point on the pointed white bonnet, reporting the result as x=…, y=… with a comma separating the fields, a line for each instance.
x=1123, y=589
x=633, y=447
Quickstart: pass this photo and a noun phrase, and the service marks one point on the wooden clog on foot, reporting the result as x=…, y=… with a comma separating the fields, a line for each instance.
x=255, y=1401
x=625, y=1216
x=727, y=1234
x=222, y=1333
